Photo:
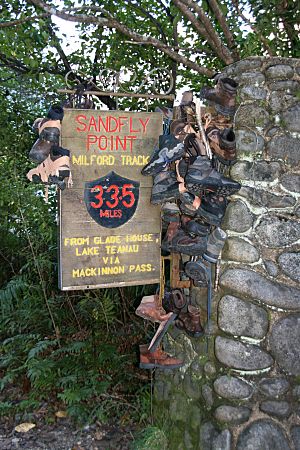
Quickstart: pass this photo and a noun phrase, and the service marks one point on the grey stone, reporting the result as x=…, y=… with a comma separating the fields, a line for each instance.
x=207, y=394
x=262, y=434
x=272, y=131
x=295, y=433
x=285, y=148
x=248, y=141
x=254, y=92
x=178, y=408
x=232, y=415
x=222, y=441
x=257, y=171
x=296, y=392
x=288, y=85
x=276, y=408
x=297, y=210
x=246, y=65
x=210, y=369
x=290, y=265
x=277, y=232
x=280, y=100
x=281, y=71
x=238, y=217
x=273, y=387
x=291, y=118
x=237, y=249
x=241, y=356
x=271, y=268
x=208, y=433
x=191, y=388
x=285, y=343
x=255, y=78
x=249, y=284
x=242, y=318
x=232, y=388
x=260, y=197
x=291, y=181
x=251, y=115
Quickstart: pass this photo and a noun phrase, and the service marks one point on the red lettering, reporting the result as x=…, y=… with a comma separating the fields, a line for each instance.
x=77, y=119
x=91, y=139
x=131, y=126
x=144, y=124
x=92, y=123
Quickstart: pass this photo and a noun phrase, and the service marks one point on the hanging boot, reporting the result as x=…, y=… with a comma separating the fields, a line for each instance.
x=222, y=144
x=158, y=359
x=215, y=244
x=190, y=322
x=150, y=309
x=223, y=96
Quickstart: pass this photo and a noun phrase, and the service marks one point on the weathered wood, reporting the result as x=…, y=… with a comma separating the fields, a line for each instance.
x=109, y=232
x=120, y=94
x=176, y=282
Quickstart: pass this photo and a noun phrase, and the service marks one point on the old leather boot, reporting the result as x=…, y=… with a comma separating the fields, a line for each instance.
x=190, y=322
x=215, y=244
x=150, y=309
x=222, y=144
x=158, y=359
x=223, y=95
x=171, y=231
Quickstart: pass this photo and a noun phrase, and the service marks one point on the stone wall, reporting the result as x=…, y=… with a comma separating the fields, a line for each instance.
x=240, y=387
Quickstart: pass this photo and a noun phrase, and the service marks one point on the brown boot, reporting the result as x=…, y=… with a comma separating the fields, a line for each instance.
x=150, y=309
x=222, y=144
x=190, y=322
x=223, y=95
x=158, y=359
x=171, y=231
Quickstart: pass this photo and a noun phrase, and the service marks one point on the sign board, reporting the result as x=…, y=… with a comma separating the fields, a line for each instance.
x=109, y=231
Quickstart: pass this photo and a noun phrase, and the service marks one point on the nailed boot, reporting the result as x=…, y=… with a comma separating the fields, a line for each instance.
x=223, y=95
x=190, y=322
x=150, y=309
x=158, y=359
x=222, y=144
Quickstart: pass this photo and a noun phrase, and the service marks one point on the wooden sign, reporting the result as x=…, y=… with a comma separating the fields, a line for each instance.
x=109, y=231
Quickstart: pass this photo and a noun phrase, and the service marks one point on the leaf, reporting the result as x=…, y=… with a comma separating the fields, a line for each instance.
x=24, y=427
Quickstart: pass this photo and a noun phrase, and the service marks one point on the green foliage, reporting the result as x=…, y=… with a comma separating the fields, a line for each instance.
x=152, y=438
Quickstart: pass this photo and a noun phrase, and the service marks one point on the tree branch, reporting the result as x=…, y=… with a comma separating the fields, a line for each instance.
x=23, y=20
x=123, y=29
x=213, y=4
x=253, y=28
x=206, y=29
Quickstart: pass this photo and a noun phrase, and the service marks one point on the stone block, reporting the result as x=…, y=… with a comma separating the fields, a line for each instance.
x=222, y=441
x=285, y=343
x=284, y=147
x=232, y=415
x=262, y=434
x=249, y=284
x=276, y=408
x=265, y=198
x=248, y=141
x=295, y=433
x=237, y=249
x=208, y=433
x=207, y=394
x=273, y=387
x=280, y=100
x=232, y=388
x=271, y=268
x=291, y=118
x=241, y=356
x=256, y=78
x=238, y=217
x=286, y=85
x=253, y=92
x=280, y=71
x=290, y=264
x=242, y=318
x=291, y=182
x=277, y=232
x=251, y=115
x=256, y=171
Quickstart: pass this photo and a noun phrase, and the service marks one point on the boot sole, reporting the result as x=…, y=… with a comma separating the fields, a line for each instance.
x=157, y=199
x=187, y=251
x=211, y=219
x=162, y=333
x=194, y=273
x=198, y=188
x=158, y=366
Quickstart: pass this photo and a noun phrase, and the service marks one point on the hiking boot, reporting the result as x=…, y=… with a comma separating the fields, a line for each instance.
x=202, y=176
x=222, y=144
x=212, y=208
x=150, y=309
x=55, y=112
x=158, y=359
x=190, y=322
x=170, y=149
x=165, y=191
x=170, y=212
x=183, y=243
x=223, y=96
x=194, y=229
x=170, y=233
x=194, y=146
x=198, y=272
x=49, y=133
x=215, y=244
x=174, y=301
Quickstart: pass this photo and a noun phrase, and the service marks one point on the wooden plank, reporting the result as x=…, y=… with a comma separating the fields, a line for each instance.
x=110, y=233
